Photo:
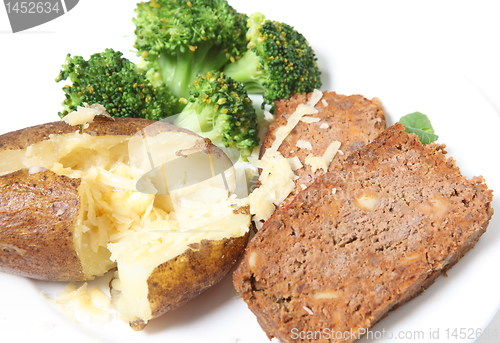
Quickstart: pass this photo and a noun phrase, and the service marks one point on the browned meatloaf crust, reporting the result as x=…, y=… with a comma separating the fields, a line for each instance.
x=352, y=120
x=363, y=239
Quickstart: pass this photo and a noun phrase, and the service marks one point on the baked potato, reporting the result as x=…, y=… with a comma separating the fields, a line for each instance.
x=153, y=200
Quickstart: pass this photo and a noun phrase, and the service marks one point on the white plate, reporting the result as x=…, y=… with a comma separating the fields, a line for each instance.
x=364, y=49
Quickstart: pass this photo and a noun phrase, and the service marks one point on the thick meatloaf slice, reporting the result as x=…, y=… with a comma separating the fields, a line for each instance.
x=362, y=240
x=352, y=120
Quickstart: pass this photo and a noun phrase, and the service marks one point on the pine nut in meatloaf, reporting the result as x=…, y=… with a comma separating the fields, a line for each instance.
x=362, y=240
x=352, y=120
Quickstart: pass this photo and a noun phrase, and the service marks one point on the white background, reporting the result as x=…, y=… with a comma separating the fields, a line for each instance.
x=397, y=50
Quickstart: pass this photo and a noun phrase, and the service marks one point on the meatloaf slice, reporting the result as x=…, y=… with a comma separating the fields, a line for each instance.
x=352, y=120
x=362, y=240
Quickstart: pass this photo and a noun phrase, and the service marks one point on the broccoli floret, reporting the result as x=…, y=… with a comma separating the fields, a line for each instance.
x=279, y=61
x=219, y=108
x=179, y=38
x=116, y=83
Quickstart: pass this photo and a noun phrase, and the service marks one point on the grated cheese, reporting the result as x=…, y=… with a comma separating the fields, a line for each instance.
x=82, y=304
x=322, y=162
x=302, y=144
x=277, y=176
x=120, y=226
x=310, y=120
x=308, y=310
x=84, y=115
x=268, y=116
x=36, y=169
x=295, y=163
x=277, y=182
x=303, y=109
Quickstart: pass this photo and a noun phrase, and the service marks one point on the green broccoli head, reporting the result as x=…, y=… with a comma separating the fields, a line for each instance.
x=116, y=83
x=219, y=108
x=180, y=38
x=279, y=61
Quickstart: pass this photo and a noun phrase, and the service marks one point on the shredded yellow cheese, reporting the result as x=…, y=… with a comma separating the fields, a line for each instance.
x=304, y=144
x=84, y=115
x=322, y=162
x=310, y=120
x=277, y=176
x=83, y=304
x=302, y=110
x=295, y=163
x=121, y=226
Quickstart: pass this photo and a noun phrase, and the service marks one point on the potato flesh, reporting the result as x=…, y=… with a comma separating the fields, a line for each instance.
x=137, y=231
x=201, y=211
x=11, y=160
x=139, y=253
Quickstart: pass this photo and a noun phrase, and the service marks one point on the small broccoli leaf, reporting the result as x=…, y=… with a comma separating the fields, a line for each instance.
x=419, y=124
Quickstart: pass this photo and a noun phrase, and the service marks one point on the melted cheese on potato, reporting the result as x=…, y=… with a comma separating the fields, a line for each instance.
x=139, y=229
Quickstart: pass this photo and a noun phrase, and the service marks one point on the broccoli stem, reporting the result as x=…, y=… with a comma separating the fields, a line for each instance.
x=247, y=70
x=199, y=119
x=180, y=69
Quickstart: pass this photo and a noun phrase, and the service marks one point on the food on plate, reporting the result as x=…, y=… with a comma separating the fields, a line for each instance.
x=38, y=210
x=352, y=120
x=362, y=239
x=153, y=200
x=312, y=133
x=157, y=203
x=179, y=42
x=419, y=124
x=179, y=39
x=279, y=61
x=77, y=302
x=116, y=83
x=219, y=109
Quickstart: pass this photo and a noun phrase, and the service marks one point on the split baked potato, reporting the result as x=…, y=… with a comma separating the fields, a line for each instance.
x=153, y=200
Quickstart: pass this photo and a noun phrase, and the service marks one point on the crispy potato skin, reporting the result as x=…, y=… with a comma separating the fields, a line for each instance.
x=37, y=215
x=34, y=240
x=101, y=126
x=179, y=280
